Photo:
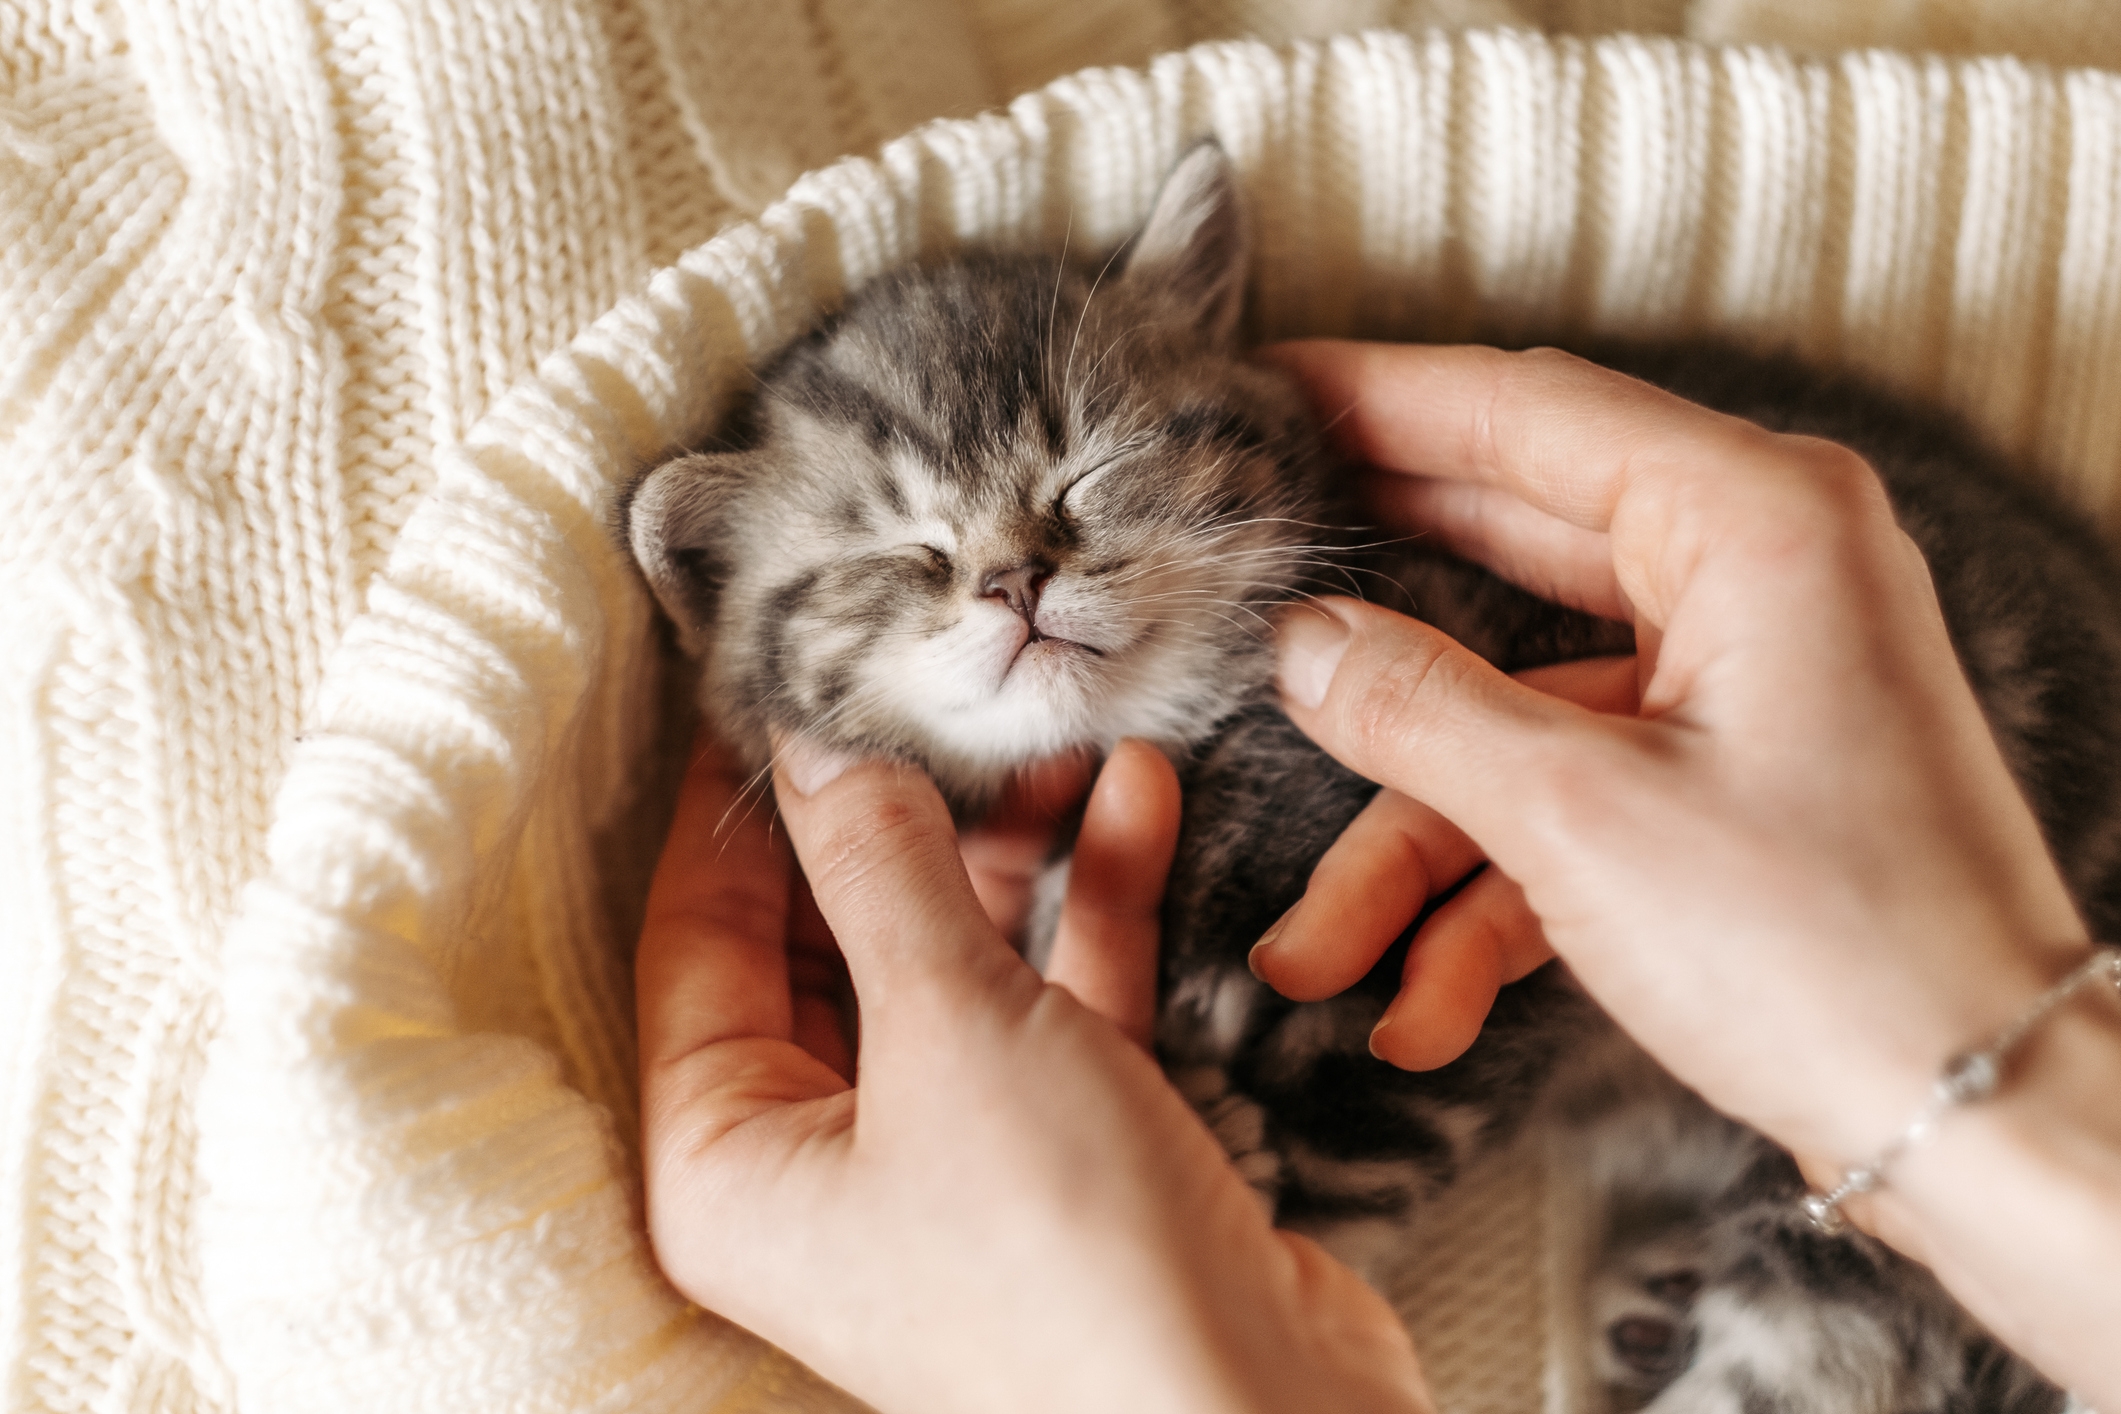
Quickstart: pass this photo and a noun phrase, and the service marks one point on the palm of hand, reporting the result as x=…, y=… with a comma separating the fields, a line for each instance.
x=1011, y=1169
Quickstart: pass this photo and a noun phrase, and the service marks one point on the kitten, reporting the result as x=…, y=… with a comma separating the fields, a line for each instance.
x=989, y=518
x=1003, y=507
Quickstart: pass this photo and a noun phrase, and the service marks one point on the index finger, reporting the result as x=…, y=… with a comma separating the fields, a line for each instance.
x=1563, y=434
x=1676, y=486
x=878, y=848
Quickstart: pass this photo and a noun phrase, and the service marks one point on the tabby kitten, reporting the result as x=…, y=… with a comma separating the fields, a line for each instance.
x=1003, y=507
x=988, y=518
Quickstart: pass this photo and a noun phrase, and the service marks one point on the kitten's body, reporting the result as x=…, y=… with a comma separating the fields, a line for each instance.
x=1004, y=508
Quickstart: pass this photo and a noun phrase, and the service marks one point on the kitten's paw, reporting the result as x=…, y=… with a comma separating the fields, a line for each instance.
x=1785, y=1320
x=1649, y=1347
x=1642, y=1317
x=1238, y=1124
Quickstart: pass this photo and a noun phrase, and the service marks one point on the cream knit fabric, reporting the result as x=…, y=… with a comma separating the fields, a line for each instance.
x=331, y=716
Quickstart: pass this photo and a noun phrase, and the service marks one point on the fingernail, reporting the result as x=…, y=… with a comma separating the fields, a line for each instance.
x=1382, y=1023
x=808, y=767
x=1266, y=940
x=1312, y=642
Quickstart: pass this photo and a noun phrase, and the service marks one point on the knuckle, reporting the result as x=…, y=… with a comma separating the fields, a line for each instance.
x=1390, y=701
x=1545, y=363
x=1374, y=716
x=1820, y=503
x=1838, y=476
x=857, y=848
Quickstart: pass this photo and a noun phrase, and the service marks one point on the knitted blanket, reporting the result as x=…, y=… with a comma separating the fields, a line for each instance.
x=335, y=728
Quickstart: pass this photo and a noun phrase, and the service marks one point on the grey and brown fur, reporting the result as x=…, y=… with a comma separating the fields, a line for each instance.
x=989, y=517
x=1004, y=507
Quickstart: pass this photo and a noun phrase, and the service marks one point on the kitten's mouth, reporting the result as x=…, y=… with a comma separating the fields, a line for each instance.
x=1042, y=646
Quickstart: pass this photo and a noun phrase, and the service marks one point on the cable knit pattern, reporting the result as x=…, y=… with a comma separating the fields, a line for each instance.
x=259, y=263
x=331, y=719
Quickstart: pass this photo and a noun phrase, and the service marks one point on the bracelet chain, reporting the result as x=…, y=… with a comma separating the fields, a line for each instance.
x=1967, y=1077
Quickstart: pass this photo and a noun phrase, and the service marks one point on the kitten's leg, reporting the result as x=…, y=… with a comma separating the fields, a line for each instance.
x=1356, y=1207
x=1710, y=1293
x=1788, y=1319
x=1361, y=1144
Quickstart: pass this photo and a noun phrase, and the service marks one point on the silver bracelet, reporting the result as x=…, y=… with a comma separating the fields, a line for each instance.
x=1968, y=1076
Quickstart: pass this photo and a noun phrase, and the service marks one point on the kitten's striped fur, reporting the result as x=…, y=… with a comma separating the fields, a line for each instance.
x=1004, y=507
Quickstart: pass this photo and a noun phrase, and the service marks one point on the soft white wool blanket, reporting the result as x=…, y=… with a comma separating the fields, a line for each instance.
x=297, y=637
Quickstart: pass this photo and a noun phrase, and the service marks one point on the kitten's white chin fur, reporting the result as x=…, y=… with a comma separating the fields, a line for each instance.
x=1058, y=696
x=987, y=697
x=1046, y=696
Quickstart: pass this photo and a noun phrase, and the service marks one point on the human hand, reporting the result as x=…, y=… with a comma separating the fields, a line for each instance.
x=1792, y=865
x=1012, y=1209
x=1780, y=847
x=1012, y=845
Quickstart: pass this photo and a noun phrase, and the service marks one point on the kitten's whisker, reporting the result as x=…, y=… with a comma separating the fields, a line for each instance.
x=1339, y=417
x=744, y=793
x=1068, y=373
x=1212, y=599
x=1060, y=273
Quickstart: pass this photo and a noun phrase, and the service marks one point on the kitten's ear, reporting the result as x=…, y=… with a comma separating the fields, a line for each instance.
x=675, y=523
x=1195, y=245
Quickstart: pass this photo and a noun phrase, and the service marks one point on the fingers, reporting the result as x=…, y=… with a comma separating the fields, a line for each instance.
x=825, y=1018
x=1010, y=847
x=1564, y=435
x=880, y=852
x=712, y=963
x=1365, y=1322
x=1378, y=876
x=1530, y=547
x=1363, y=892
x=1609, y=685
x=719, y=1023
x=1677, y=485
x=1105, y=950
x=1483, y=938
x=1404, y=705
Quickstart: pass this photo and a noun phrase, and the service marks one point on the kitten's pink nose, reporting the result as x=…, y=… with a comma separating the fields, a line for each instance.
x=1018, y=588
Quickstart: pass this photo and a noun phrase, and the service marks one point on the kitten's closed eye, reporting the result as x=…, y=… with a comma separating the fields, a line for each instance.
x=1003, y=432
x=1069, y=503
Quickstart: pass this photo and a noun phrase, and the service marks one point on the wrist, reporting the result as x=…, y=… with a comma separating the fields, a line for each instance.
x=2015, y=1202
x=1896, y=1029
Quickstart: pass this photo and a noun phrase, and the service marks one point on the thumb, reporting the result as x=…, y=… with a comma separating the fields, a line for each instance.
x=1407, y=706
x=881, y=856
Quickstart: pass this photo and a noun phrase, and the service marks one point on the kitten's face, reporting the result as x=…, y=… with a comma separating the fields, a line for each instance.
x=993, y=516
